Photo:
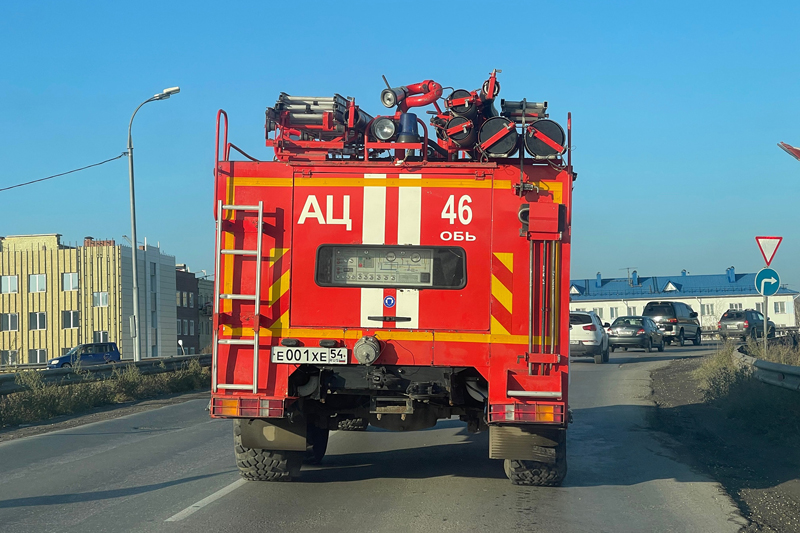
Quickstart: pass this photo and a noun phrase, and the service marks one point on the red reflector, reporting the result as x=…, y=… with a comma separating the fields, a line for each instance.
x=673, y=320
x=590, y=327
x=746, y=324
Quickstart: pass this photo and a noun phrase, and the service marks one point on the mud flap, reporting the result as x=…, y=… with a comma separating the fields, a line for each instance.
x=524, y=443
x=275, y=434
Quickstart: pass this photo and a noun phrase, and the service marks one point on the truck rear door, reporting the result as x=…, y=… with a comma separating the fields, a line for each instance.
x=391, y=250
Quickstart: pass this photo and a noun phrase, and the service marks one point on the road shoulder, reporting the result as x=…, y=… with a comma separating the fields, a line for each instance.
x=98, y=414
x=761, y=475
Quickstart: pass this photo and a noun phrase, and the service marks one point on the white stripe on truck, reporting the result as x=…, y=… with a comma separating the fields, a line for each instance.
x=373, y=231
x=409, y=226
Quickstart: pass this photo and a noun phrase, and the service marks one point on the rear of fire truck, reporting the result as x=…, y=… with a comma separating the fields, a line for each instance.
x=372, y=274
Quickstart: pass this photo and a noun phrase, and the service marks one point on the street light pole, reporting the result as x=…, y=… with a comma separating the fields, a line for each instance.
x=134, y=325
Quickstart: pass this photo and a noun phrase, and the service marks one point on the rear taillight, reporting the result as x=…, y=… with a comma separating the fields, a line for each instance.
x=590, y=327
x=719, y=325
x=673, y=320
x=640, y=332
x=746, y=324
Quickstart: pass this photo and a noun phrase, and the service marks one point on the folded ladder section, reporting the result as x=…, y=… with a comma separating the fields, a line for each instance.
x=256, y=298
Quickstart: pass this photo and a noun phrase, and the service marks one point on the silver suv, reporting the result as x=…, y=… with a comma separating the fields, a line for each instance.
x=676, y=321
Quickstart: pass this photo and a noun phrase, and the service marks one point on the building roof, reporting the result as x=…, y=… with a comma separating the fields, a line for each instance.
x=680, y=286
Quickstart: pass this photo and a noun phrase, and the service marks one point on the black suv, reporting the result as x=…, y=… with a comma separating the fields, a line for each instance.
x=747, y=323
x=676, y=321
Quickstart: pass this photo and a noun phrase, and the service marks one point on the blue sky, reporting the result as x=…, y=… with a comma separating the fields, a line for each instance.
x=677, y=109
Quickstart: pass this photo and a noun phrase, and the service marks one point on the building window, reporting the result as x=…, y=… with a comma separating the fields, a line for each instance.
x=737, y=307
x=8, y=284
x=179, y=326
x=69, y=281
x=8, y=357
x=37, y=356
x=613, y=313
x=37, y=283
x=100, y=336
x=191, y=350
x=191, y=299
x=69, y=319
x=185, y=299
x=178, y=298
x=153, y=286
x=598, y=311
x=780, y=307
x=191, y=327
x=37, y=321
x=631, y=310
x=759, y=307
x=185, y=327
x=9, y=322
x=706, y=309
x=100, y=299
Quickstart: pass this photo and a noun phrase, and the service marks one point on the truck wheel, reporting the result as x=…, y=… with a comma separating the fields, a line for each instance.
x=265, y=465
x=698, y=338
x=649, y=346
x=681, y=340
x=538, y=474
x=317, y=439
x=353, y=424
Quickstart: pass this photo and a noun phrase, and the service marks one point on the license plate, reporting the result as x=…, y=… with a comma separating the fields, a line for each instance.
x=733, y=326
x=626, y=333
x=316, y=356
x=574, y=342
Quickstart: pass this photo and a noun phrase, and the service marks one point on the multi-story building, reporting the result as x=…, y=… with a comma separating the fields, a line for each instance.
x=187, y=310
x=709, y=295
x=54, y=297
x=205, y=299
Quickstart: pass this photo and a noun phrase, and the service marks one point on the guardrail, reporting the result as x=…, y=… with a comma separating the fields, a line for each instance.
x=784, y=376
x=68, y=376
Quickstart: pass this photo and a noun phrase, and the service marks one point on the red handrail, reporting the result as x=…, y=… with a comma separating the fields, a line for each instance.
x=226, y=149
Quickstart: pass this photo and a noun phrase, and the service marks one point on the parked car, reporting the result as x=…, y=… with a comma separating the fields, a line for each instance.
x=587, y=336
x=743, y=324
x=676, y=321
x=96, y=353
x=635, y=332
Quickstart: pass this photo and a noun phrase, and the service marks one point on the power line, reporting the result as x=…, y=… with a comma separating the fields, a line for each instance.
x=123, y=154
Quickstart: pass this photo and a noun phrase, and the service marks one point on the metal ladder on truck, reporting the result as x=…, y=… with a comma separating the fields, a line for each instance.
x=219, y=297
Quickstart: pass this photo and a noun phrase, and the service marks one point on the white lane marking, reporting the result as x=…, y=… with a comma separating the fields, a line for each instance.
x=409, y=228
x=205, y=501
x=373, y=232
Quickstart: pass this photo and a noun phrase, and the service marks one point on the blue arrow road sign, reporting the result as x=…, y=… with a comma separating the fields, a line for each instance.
x=767, y=282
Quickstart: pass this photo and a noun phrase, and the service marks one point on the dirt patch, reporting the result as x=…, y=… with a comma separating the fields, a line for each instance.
x=761, y=473
x=98, y=415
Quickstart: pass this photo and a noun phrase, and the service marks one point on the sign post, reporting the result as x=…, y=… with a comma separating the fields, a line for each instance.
x=767, y=279
x=767, y=283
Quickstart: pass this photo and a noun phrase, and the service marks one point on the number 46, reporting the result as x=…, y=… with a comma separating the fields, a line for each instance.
x=464, y=210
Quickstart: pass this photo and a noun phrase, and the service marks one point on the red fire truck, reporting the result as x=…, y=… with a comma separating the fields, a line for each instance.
x=371, y=274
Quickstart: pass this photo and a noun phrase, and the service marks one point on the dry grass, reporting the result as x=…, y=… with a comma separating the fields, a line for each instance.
x=766, y=409
x=777, y=352
x=43, y=401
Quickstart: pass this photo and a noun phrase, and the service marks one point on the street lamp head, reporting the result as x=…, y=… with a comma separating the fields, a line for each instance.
x=166, y=93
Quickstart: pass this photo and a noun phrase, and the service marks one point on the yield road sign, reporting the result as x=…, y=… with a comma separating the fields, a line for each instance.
x=768, y=247
x=767, y=282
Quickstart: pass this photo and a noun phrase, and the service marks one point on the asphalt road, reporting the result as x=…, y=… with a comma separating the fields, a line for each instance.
x=172, y=469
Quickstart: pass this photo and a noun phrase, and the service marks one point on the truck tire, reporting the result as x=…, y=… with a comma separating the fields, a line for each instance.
x=265, y=465
x=698, y=338
x=353, y=424
x=534, y=473
x=681, y=340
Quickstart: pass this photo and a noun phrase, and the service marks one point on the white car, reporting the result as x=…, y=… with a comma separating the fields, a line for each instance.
x=588, y=336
